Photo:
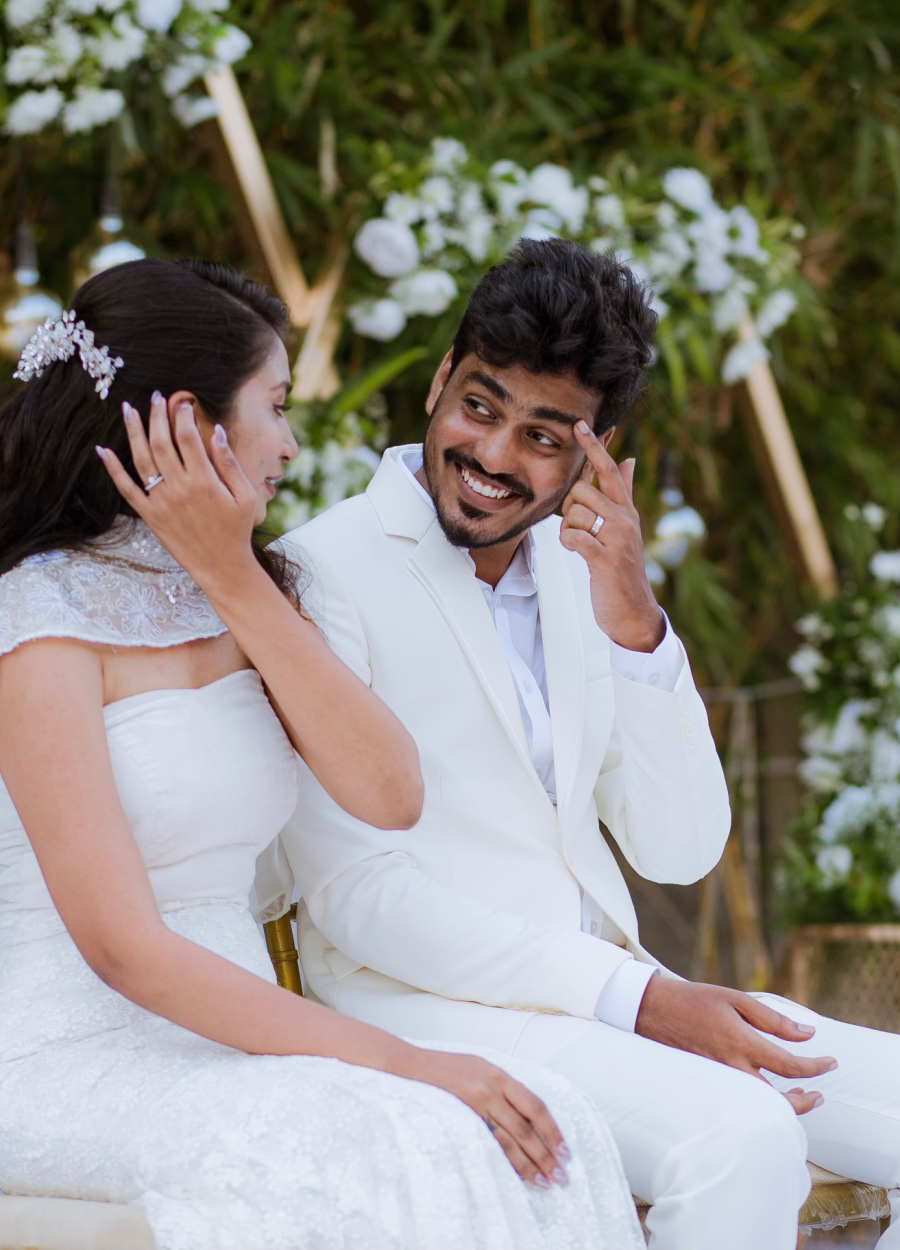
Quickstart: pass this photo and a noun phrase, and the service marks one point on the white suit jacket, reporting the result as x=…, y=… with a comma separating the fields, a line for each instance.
x=482, y=899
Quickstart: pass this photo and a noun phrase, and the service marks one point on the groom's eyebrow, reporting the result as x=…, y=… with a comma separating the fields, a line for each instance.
x=542, y=412
x=554, y=414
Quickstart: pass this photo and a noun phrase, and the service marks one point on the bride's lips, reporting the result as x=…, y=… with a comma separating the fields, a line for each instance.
x=473, y=497
x=272, y=486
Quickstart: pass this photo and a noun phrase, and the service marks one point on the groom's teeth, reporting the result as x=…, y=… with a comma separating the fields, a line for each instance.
x=482, y=488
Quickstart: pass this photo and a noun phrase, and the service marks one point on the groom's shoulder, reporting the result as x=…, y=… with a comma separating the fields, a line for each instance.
x=344, y=526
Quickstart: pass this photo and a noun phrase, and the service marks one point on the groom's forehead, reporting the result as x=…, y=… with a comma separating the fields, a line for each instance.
x=559, y=397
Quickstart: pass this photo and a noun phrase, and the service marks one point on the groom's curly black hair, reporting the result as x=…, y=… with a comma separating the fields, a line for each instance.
x=556, y=307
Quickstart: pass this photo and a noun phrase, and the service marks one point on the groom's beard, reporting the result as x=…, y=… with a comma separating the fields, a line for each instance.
x=470, y=531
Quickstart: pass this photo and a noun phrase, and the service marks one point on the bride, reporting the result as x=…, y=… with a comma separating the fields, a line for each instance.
x=148, y=723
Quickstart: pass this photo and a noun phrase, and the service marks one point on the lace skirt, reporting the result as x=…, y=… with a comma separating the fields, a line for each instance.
x=229, y=1151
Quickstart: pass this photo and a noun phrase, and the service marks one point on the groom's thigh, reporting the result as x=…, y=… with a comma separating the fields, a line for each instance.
x=682, y=1123
x=857, y=1129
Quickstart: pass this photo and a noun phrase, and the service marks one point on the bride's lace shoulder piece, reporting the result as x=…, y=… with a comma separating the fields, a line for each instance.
x=123, y=590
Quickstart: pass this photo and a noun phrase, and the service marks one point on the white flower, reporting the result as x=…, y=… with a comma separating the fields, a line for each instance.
x=887, y=619
x=666, y=215
x=712, y=273
x=64, y=48
x=537, y=230
x=885, y=565
x=874, y=516
x=476, y=236
x=850, y=812
x=182, y=72
x=209, y=6
x=821, y=773
x=91, y=107
x=741, y=358
x=26, y=64
x=689, y=188
x=157, y=15
x=389, y=248
x=509, y=184
x=893, y=889
x=659, y=306
x=656, y=574
x=728, y=309
x=606, y=243
x=231, y=45
x=33, y=110
x=807, y=663
x=83, y=8
x=381, y=319
x=434, y=238
x=119, y=45
x=609, y=212
x=405, y=208
x=468, y=201
x=848, y=734
x=190, y=110
x=670, y=253
x=834, y=863
x=552, y=185
x=20, y=12
x=427, y=291
x=447, y=155
x=775, y=311
x=744, y=231
x=437, y=194
x=809, y=625
x=885, y=758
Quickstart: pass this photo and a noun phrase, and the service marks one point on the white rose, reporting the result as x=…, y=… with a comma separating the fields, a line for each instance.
x=848, y=734
x=190, y=110
x=741, y=359
x=609, y=212
x=427, y=292
x=670, y=253
x=447, y=155
x=437, y=193
x=476, y=236
x=850, y=812
x=405, y=208
x=689, y=188
x=21, y=12
x=666, y=215
x=874, y=516
x=834, y=863
x=744, y=230
x=209, y=6
x=552, y=185
x=64, y=48
x=538, y=231
x=90, y=108
x=381, y=319
x=120, y=45
x=389, y=248
x=182, y=72
x=820, y=773
x=711, y=273
x=231, y=46
x=157, y=15
x=885, y=565
x=885, y=756
x=807, y=663
x=508, y=184
x=33, y=110
x=26, y=64
x=775, y=311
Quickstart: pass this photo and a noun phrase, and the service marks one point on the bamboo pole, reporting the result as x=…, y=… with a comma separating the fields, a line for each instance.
x=787, y=473
x=250, y=167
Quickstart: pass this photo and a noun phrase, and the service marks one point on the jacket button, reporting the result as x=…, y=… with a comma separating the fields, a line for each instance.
x=593, y=926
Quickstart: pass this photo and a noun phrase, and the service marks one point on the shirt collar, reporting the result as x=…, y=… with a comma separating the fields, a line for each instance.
x=519, y=578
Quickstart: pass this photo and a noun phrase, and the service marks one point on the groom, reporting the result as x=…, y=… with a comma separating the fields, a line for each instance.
x=545, y=689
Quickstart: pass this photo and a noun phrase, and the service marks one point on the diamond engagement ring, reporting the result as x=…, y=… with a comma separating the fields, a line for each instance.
x=596, y=527
x=153, y=481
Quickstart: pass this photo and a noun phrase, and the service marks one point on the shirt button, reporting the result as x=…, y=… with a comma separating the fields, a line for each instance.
x=654, y=679
x=593, y=926
x=528, y=684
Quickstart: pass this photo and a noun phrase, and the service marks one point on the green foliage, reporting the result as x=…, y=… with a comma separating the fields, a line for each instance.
x=792, y=106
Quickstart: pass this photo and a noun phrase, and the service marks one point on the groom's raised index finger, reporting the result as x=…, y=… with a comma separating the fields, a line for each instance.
x=609, y=479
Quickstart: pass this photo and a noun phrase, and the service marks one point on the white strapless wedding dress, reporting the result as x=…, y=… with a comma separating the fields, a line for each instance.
x=100, y=1099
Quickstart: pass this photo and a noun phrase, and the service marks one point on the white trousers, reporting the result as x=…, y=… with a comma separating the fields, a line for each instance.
x=720, y=1154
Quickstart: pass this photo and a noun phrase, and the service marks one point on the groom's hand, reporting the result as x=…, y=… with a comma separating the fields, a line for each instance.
x=624, y=606
x=721, y=1024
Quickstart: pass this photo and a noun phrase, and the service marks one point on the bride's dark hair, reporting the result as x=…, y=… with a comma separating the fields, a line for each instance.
x=178, y=325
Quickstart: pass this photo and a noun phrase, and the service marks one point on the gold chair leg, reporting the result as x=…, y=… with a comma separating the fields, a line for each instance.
x=283, y=953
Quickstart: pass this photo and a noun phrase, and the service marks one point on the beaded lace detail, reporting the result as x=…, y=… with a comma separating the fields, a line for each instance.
x=124, y=590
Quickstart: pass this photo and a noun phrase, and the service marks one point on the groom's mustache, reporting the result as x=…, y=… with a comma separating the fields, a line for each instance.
x=505, y=480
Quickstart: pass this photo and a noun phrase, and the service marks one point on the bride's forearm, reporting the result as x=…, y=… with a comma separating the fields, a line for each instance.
x=356, y=747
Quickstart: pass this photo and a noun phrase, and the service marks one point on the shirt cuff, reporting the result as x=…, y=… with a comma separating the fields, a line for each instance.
x=660, y=668
x=621, y=997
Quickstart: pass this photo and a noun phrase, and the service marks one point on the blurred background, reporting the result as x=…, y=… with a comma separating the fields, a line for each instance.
x=743, y=156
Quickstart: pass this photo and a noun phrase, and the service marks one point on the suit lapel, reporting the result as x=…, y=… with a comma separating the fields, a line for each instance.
x=563, y=659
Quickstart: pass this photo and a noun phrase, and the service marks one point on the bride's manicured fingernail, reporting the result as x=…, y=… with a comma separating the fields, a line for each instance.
x=582, y=427
x=101, y=452
x=818, y=1102
x=186, y=404
x=559, y=1177
x=156, y=397
x=563, y=1152
x=220, y=438
x=541, y=1181
x=808, y=1029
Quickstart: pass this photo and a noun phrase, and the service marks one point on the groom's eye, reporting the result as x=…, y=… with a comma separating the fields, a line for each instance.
x=477, y=407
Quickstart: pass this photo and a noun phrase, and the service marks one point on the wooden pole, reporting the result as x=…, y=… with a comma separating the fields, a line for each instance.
x=250, y=167
x=785, y=470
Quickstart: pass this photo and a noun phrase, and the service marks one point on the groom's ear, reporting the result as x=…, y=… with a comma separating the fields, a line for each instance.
x=438, y=382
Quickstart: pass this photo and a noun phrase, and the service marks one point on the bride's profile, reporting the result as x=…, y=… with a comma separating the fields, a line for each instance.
x=152, y=699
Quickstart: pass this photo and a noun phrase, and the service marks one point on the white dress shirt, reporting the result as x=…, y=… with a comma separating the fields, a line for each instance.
x=513, y=605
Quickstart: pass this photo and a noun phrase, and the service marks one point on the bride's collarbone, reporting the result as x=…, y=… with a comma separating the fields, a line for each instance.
x=136, y=670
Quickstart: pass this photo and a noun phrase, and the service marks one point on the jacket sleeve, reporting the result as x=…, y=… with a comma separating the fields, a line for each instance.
x=367, y=896
x=661, y=790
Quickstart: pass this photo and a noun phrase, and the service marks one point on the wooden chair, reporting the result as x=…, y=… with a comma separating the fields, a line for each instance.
x=71, y=1224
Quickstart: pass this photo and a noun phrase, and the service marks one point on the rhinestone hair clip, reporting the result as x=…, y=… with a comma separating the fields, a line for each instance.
x=57, y=339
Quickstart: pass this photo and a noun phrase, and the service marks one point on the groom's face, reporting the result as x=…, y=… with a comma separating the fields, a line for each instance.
x=500, y=454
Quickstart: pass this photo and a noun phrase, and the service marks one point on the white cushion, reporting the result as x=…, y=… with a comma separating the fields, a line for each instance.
x=70, y=1224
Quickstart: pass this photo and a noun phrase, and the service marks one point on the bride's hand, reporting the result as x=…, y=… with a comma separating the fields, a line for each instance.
x=518, y=1119
x=201, y=506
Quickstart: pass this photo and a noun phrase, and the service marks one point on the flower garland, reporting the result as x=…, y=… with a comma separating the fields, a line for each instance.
x=67, y=60
x=843, y=860
x=445, y=220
